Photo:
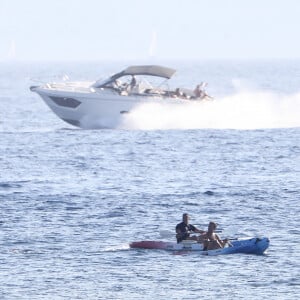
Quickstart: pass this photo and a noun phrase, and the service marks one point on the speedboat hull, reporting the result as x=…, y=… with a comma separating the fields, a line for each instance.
x=248, y=246
x=99, y=109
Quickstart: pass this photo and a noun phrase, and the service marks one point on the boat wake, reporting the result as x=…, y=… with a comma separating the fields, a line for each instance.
x=245, y=110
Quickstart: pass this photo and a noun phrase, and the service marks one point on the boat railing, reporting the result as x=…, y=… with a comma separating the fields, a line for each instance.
x=70, y=86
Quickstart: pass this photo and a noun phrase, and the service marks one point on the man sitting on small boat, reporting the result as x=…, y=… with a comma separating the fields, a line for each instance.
x=200, y=93
x=211, y=240
x=183, y=230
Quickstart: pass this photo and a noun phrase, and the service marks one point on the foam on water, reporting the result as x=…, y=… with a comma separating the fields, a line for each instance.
x=244, y=110
x=116, y=248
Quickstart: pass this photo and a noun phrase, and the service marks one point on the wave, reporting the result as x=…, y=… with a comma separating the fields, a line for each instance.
x=244, y=110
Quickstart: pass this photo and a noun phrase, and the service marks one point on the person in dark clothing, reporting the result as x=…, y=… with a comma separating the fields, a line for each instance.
x=133, y=82
x=184, y=229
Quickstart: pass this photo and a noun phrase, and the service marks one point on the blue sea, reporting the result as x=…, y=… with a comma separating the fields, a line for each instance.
x=71, y=200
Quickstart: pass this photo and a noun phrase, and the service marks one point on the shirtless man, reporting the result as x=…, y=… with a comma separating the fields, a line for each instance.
x=211, y=240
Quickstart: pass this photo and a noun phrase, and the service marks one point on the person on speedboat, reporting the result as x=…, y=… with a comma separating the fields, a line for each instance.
x=132, y=82
x=184, y=229
x=130, y=86
x=211, y=240
x=200, y=93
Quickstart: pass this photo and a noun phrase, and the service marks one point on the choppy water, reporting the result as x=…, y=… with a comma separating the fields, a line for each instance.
x=71, y=200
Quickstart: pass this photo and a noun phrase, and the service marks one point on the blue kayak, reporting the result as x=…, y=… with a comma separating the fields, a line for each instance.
x=249, y=246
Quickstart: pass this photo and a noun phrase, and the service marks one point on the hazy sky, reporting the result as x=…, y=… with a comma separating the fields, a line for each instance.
x=140, y=29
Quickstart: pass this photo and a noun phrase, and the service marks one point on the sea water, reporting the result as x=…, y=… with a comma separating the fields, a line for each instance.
x=72, y=200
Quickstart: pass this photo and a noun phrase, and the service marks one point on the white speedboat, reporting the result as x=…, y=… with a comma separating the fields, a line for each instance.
x=103, y=103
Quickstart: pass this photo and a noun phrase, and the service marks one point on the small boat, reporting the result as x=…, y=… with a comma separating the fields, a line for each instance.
x=249, y=246
x=105, y=103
